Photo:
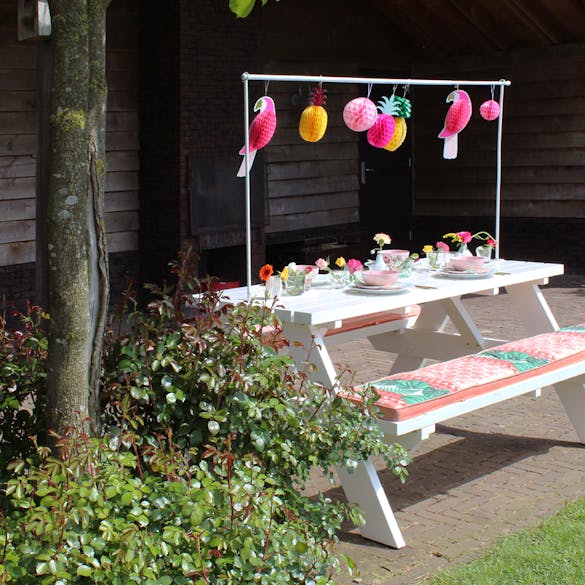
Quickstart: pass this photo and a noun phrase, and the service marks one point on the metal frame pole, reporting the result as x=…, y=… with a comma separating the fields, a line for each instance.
x=246, y=77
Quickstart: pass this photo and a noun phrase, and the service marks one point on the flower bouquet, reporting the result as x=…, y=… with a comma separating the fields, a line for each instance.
x=347, y=271
x=436, y=256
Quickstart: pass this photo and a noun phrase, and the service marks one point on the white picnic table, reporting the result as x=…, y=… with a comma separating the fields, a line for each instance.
x=308, y=317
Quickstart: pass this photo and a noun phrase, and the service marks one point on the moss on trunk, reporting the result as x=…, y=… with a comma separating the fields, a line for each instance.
x=77, y=263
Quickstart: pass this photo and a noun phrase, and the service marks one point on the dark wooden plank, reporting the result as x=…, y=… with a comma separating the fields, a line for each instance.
x=510, y=192
x=122, y=122
x=532, y=175
x=17, y=166
x=284, y=223
x=15, y=209
x=121, y=201
x=17, y=188
x=121, y=221
x=18, y=144
x=511, y=158
x=119, y=140
x=122, y=160
x=123, y=181
x=307, y=169
x=23, y=56
x=287, y=205
x=17, y=101
x=17, y=253
x=20, y=79
x=342, y=151
x=330, y=184
x=17, y=122
x=17, y=231
x=122, y=242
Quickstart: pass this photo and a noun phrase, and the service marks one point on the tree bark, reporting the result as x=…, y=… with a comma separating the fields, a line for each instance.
x=99, y=270
x=77, y=260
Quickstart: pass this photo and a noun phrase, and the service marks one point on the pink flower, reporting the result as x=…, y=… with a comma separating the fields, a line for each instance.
x=465, y=237
x=353, y=265
x=491, y=242
x=442, y=246
x=321, y=264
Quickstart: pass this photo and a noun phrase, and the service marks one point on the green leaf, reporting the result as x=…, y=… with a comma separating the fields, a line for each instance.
x=242, y=8
x=84, y=571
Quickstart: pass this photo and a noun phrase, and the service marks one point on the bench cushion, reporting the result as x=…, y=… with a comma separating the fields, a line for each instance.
x=354, y=323
x=409, y=394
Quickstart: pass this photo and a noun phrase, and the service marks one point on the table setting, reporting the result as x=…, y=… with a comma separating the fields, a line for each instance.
x=392, y=271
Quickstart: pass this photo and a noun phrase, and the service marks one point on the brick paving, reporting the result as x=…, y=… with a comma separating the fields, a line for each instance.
x=480, y=476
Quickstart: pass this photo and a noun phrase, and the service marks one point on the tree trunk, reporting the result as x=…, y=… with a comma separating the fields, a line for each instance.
x=77, y=263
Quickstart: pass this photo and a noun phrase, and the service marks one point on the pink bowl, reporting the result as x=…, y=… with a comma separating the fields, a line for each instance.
x=473, y=263
x=379, y=277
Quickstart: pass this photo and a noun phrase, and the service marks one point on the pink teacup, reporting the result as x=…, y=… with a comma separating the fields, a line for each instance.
x=463, y=263
x=394, y=258
x=379, y=277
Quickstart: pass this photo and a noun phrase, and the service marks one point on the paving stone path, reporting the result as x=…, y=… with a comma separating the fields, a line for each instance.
x=481, y=475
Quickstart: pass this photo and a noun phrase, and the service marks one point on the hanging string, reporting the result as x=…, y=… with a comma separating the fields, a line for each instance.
x=370, y=85
x=394, y=88
x=493, y=88
x=406, y=88
x=266, y=84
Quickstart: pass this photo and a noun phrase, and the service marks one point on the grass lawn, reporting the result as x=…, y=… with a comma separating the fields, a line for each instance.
x=551, y=553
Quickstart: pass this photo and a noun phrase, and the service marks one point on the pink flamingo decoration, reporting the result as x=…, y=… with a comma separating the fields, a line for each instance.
x=456, y=119
x=261, y=130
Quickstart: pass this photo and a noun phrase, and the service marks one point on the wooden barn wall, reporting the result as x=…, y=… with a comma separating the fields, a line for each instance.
x=122, y=132
x=543, y=150
x=313, y=186
x=18, y=142
x=19, y=134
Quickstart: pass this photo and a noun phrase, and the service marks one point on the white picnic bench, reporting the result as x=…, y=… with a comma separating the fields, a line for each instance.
x=457, y=387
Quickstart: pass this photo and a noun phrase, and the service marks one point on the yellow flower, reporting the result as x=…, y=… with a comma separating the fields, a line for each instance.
x=340, y=262
x=284, y=273
x=427, y=248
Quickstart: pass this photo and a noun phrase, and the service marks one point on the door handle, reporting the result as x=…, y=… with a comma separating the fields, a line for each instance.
x=363, y=171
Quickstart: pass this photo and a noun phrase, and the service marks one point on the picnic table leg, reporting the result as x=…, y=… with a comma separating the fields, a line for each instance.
x=572, y=396
x=307, y=346
x=363, y=488
x=532, y=307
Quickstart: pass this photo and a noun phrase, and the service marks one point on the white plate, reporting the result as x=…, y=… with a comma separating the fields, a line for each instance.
x=379, y=290
x=465, y=273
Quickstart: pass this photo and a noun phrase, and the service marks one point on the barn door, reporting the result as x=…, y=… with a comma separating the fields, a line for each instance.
x=386, y=198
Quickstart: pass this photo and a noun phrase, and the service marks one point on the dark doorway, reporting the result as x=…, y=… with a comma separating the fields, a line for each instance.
x=386, y=201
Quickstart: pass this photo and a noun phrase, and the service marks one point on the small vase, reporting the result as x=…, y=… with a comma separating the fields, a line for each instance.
x=464, y=250
x=273, y=287
x=484, y=252
x=379, y=264
x=437, y=259
x=295, y=285
x=338, y=278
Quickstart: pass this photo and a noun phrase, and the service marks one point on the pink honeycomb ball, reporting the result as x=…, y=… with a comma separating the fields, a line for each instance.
x=489, y=110
x=360, y=114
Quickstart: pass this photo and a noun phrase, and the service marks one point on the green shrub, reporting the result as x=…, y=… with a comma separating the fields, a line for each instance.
x=23, y=353
x=209, y=437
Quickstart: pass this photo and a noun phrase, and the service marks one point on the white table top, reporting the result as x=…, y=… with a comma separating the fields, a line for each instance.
x=324, y=304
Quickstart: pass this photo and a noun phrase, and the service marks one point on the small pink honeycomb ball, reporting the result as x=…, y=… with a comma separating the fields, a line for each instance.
x=489, y=110
x=360, y=114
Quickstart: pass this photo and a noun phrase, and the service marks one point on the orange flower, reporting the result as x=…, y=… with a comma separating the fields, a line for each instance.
x=266, y=272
